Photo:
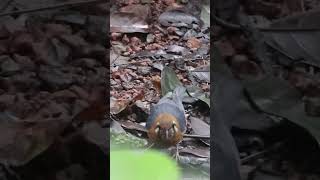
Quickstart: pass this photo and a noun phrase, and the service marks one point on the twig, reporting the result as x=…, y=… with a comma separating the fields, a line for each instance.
x=261, y=153
x=56, y=6
x=196, y=136
x=163, y=59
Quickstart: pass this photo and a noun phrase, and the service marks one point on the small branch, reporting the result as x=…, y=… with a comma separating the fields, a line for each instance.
x=196, y=136
x=160, y=59
x=56, y=6
x=261, y=153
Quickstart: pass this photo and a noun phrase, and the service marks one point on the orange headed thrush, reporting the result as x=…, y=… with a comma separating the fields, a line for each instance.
x=166, y=123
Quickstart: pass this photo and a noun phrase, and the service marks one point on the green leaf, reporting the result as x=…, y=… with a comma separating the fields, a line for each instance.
x=169, y=80
x=130, y=165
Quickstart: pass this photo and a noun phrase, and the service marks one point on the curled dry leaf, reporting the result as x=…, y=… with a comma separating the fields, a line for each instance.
x=118, y=105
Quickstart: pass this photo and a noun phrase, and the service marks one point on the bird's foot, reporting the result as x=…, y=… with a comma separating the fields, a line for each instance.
x=176, y=154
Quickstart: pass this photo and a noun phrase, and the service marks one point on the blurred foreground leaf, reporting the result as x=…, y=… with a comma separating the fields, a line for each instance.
x=130, y=165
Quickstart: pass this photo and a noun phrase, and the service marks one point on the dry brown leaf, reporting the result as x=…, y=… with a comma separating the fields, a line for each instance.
x=118, y=105
x=156, y=81
x=194, y=43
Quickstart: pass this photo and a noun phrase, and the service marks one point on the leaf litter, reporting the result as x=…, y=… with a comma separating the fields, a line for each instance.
x=273, y=59
x=157, y=59
x=49, y=106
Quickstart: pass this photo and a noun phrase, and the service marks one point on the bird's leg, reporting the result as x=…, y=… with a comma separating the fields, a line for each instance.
x=177, y=152
x=176, y=155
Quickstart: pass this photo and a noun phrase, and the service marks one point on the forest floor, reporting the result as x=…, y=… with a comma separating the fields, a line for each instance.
x=52, y=76
x=147, y=36
x=271, y=47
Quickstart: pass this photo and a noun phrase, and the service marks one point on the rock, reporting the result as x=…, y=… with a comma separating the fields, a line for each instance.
x=150, y=38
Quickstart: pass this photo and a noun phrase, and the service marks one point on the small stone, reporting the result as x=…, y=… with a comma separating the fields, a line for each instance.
x=150, y=38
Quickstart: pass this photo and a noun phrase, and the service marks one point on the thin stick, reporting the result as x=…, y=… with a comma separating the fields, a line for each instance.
x=56, y=6
x=164, y=59
x=196, y=136
x=261, y=153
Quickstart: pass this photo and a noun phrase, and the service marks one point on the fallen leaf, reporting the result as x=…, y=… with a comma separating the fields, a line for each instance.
x=117, y=105
x=156, y=81
x=193, y=43
x=127, y=23
x=200, y=127
x=202, y=73
x=169, y=80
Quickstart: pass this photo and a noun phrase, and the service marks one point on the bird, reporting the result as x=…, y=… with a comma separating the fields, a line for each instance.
x=166, y=123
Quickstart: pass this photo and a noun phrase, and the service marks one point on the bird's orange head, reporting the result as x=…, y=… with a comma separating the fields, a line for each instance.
x=165, y=130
